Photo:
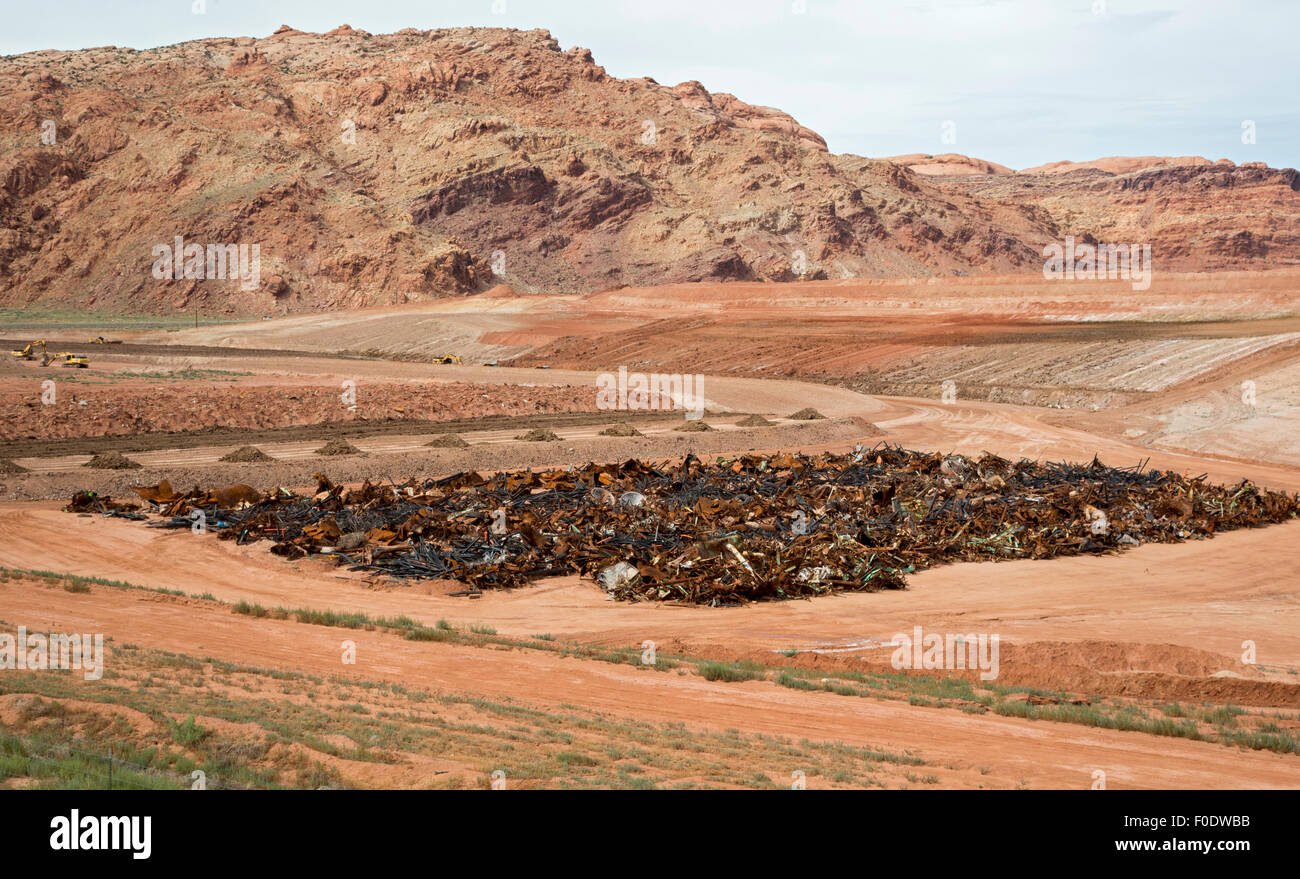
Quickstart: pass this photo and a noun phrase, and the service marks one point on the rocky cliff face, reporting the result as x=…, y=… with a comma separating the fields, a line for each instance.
x=376, y=169
x=1198, y=216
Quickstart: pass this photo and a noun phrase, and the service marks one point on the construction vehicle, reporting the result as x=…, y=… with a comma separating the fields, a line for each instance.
x=100, y=340
x=74, y=361
x=448, y=358
x=29, y=352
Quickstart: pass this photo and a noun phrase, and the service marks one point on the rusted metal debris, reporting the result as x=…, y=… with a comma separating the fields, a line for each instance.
x=737, y=530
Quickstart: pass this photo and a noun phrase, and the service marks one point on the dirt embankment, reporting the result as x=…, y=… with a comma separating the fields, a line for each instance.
x=81, y=410
x=960, y=747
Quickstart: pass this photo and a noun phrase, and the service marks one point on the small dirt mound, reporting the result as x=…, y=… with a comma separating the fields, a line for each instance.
x=9, y=467
x=112, y=461
x=246, y=455
x=447, y=441
x=621, y=430
x=693, y=427
x=538, y=435
x=754, y=421
x=809, y=414
x=868, y=428
x=338, y=447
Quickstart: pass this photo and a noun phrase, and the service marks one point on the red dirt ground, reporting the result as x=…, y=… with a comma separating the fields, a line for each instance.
x=1159, y=623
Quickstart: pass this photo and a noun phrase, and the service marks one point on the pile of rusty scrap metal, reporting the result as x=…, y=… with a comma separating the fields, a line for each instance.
x=736, y=530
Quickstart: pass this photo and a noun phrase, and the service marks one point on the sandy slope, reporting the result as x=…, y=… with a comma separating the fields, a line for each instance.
x=996, y=751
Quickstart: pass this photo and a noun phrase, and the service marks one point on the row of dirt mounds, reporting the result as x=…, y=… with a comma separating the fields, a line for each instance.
x=413, y=457
x=352, y=429
x=750, y=528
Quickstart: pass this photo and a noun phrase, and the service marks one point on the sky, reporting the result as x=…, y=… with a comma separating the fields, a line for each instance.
x=1018, y=82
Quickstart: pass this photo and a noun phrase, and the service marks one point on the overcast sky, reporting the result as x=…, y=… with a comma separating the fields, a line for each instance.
x=1018, y=82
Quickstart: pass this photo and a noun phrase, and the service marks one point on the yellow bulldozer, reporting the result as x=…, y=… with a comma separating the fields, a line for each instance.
x=74, y=361
x=448, y=358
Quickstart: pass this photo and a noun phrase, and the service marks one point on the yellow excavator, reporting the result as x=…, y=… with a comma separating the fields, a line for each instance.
x=74, y=361
x=65, y=358
x=29, y=352
x=448, y=358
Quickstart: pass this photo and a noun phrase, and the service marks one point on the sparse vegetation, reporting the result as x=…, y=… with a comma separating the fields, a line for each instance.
x=187, y=732
x=730, y=671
